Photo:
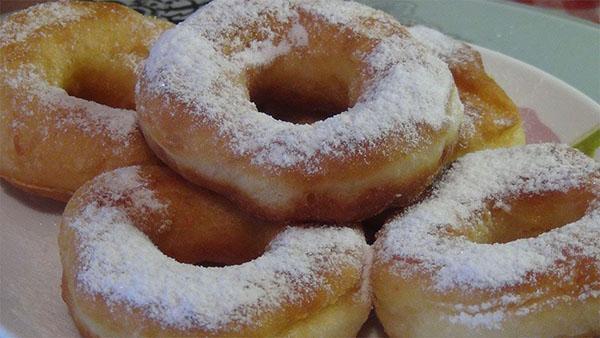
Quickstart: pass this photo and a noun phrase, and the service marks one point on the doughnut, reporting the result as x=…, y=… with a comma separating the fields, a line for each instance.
x=491, y=119
x=324, y=111
x=144, y=253
x=506, y=245
x=67, y=80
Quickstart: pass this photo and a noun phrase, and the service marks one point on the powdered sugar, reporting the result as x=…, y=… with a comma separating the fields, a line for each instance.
x=457, y=201
x=351, y=14
x=471, y=118
x=127, y=182
x=298, y=35
x=120, y=263
x=364, y=294
x=189, y=63
x=445, y=47
x=36, y=17
x=65, y=112
x=490, y=320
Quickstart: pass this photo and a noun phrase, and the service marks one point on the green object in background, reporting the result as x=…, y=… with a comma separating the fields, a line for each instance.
x=589, y=143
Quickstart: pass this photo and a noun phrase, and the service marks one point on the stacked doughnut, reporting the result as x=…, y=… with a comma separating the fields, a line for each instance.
x=203, y=84
x=283, y=123
x=130, y=239
x=67, y=78
x=506, y=245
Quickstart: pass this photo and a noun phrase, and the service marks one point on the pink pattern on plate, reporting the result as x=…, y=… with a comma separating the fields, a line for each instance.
x=535, y=130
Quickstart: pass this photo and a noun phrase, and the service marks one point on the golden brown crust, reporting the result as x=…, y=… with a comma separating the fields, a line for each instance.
x=492, y=120
x=409, y=307
x=66, y=296
x=369, y=203
x=46, y=148
x=53, y=193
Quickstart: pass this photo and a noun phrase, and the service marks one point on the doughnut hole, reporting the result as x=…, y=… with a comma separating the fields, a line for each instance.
x=301, y=91
x=106, y=81
x=94, y=63
x=530, y=215
x=198, y=226
x=313, y=82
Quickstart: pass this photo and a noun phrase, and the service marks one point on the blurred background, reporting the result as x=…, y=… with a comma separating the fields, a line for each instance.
x=584, y=9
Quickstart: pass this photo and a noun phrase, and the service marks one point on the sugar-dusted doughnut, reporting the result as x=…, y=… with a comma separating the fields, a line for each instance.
x=491, y=118
x=203, y=88
x=506, y=245
x=131, y=238
x=67, y=78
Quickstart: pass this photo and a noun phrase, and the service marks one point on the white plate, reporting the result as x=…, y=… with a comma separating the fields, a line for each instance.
x=30, y=303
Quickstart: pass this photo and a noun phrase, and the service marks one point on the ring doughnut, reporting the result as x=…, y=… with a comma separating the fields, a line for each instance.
x=56, y=59
x=129, y=241
x=200, y=92
x=491, y=118
x=505, y=246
